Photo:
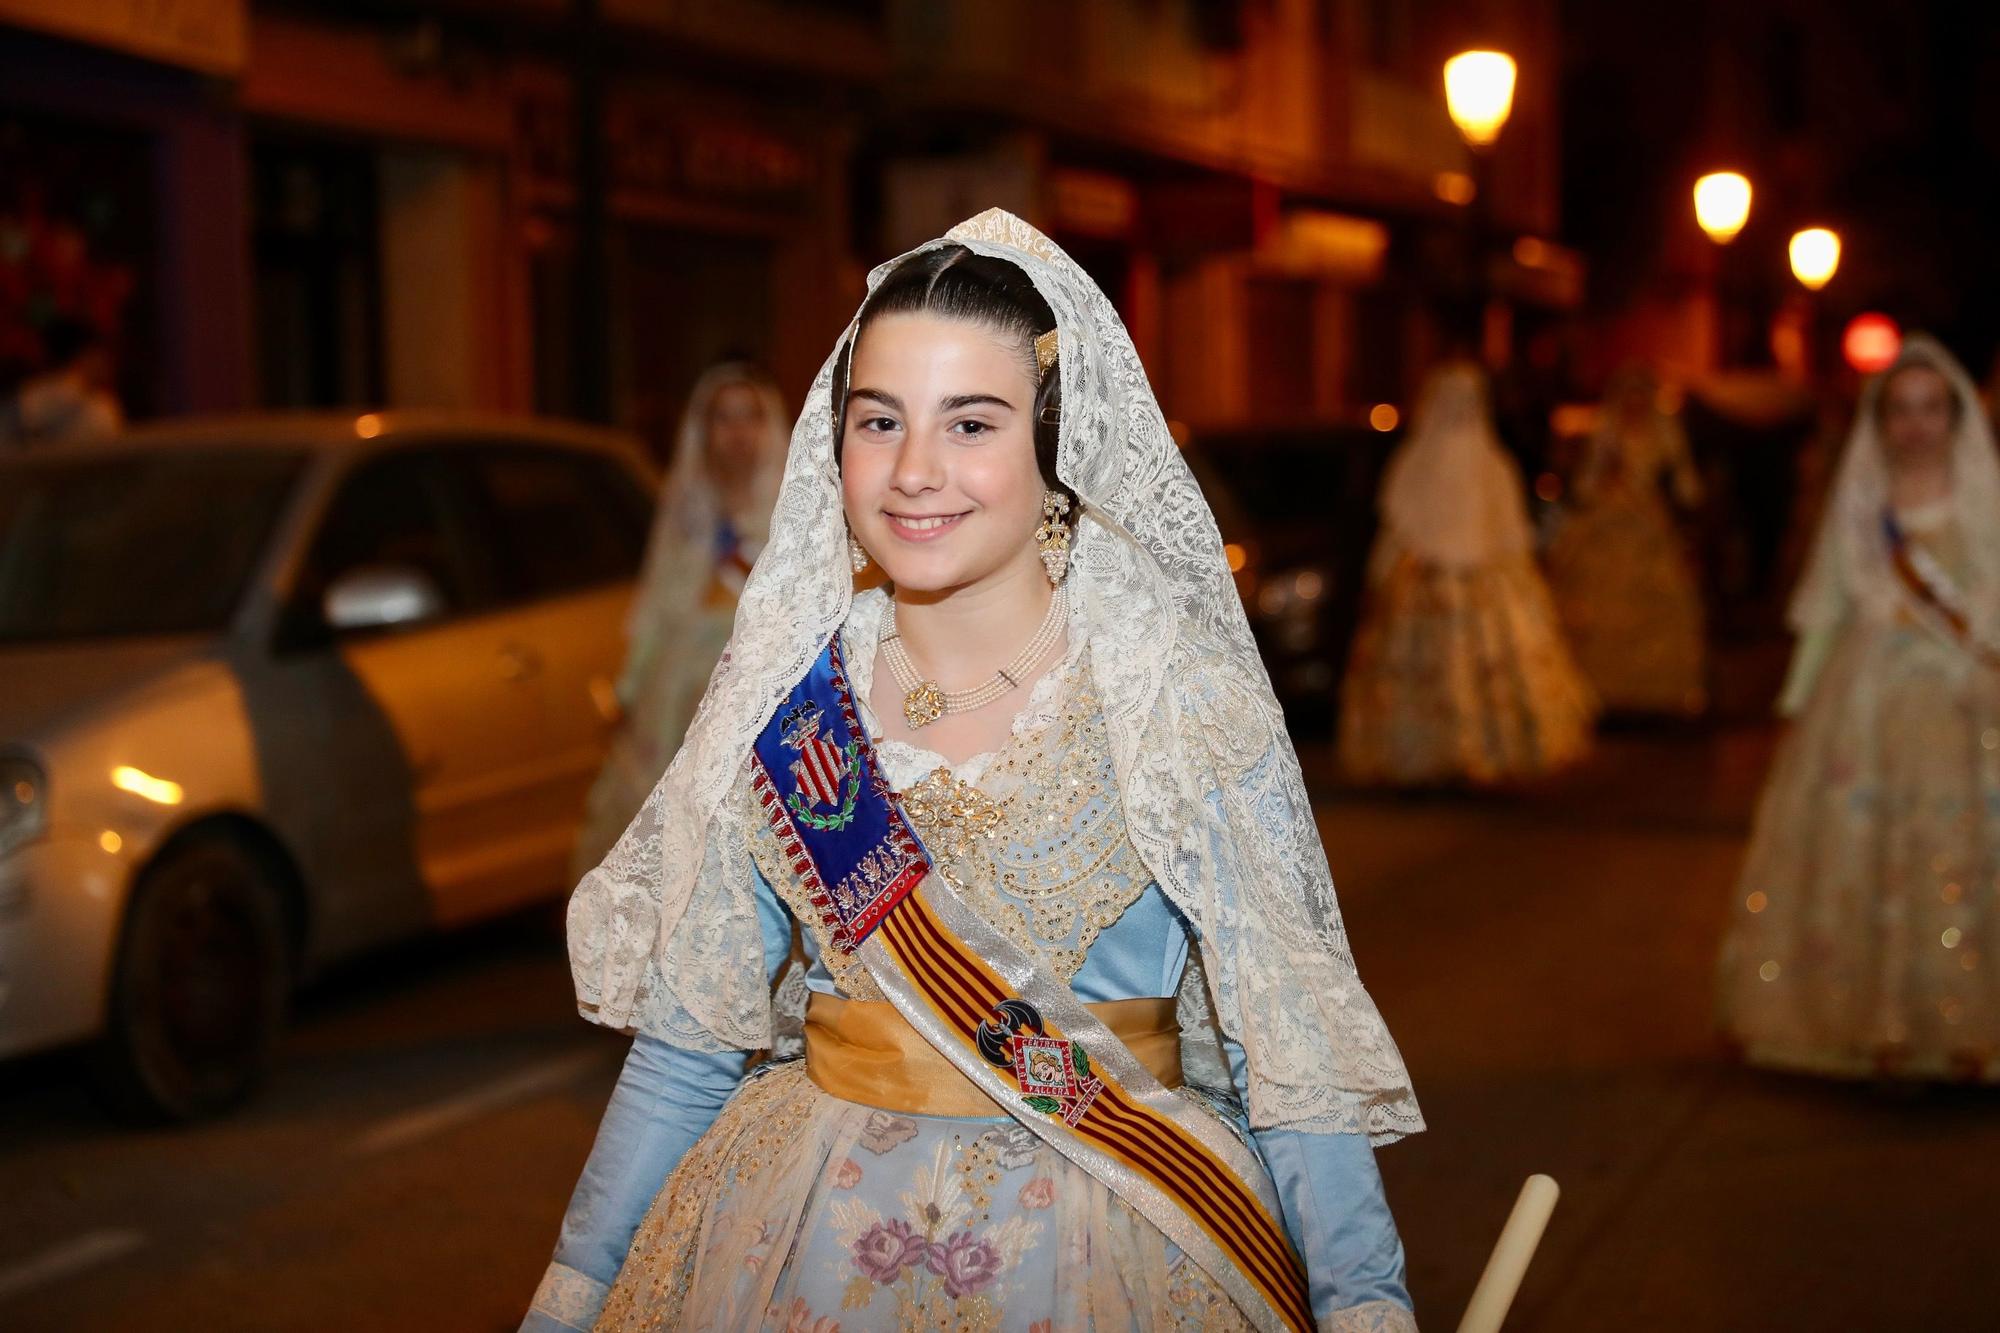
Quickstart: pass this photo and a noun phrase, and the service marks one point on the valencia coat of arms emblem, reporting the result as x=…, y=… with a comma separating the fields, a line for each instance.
x=826, y=777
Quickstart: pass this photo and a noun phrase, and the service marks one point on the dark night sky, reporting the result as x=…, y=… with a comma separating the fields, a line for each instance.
x=1881, y=120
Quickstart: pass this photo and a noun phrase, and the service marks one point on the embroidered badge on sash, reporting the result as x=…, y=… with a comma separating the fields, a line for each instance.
x=824, y=774
x=836, y=821
x=1054, y=1074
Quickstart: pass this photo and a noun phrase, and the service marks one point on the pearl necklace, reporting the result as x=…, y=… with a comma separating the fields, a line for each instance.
x=924, y=703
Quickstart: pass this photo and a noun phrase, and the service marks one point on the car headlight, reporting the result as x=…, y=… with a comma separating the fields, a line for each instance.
x=24, y=811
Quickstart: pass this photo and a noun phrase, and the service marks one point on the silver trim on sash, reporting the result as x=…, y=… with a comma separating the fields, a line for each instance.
x=1059, y=1005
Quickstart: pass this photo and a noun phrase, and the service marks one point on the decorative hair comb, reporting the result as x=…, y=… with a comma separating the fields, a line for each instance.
x=1045, y=351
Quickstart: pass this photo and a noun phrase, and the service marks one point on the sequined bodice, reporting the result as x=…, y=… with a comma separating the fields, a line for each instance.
x=1037, y=846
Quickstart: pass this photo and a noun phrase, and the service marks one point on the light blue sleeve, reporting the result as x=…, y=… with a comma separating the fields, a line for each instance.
x=666, y=1099
x=1335, y=1209
x=1328, y=1186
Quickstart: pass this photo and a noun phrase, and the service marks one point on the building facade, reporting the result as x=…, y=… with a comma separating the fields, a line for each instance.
x=572, y=207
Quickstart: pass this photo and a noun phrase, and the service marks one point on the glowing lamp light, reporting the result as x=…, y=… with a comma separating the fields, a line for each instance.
x=1722, y=204
x=1384, y=416
x=142, y=784
x=1479, y=93
x=1236, y=556
x=1871, y=342
x=1815, y=255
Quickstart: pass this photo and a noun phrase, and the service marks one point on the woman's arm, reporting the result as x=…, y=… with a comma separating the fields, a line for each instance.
x=1809, y=658
x=1338, y=1216
x=1328, y=1188
x=665, y=1100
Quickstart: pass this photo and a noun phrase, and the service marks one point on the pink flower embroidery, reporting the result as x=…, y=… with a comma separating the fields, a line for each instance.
x=965, y=1264
x=847, y=1175
x=887, y=1248
x=801, y=1320
x=1038, y=1193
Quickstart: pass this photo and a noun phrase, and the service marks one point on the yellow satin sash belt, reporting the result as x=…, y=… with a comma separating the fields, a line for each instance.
x=865, y=1051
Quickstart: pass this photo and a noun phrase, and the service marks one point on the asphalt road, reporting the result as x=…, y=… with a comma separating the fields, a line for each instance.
x=1543, y=958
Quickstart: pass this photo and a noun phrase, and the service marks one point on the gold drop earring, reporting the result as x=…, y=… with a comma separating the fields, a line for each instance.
x=1053, y=536
x=857, y=554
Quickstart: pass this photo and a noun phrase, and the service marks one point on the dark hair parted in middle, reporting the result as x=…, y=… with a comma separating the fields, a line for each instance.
x=956, y=283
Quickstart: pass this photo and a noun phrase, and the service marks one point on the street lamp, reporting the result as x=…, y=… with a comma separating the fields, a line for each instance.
x=1815, y=256
x=1479, y=93
x=1722, y=204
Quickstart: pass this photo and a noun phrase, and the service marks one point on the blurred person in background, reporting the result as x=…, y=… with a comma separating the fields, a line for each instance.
x=714, y=513
x=70, y=399
x=1459, y=671
x=1622, y=575
x=1865, y=940
x=995, y=1124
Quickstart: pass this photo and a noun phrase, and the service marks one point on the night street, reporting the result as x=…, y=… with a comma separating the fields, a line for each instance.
x=449, y=445
x=1543, y=960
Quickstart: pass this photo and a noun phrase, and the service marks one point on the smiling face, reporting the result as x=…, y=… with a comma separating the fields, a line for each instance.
x=938, y=470
x=1918, y=418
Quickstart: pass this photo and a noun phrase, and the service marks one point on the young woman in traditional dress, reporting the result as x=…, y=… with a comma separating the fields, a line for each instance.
x=1458, y=672
x=1865, y=935
x=1084, y=1042
x=714, y=512
x=1623, y=580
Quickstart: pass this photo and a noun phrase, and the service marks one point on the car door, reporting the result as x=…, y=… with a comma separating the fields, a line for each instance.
x=459, y=687
x=568, y=528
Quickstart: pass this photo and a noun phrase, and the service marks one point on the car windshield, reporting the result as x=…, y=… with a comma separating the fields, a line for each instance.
x=132, y=542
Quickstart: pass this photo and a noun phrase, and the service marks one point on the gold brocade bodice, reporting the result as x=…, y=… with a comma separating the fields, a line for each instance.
x=1037, y=847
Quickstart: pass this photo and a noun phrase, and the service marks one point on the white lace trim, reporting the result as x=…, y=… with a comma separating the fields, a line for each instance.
x=1371, y=1317
x=569, y=1297
x=664, y=935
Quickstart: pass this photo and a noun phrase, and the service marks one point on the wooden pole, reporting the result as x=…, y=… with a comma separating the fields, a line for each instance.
x=1509, y=1260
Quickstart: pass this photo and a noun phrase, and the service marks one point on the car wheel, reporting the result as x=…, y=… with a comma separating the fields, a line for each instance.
x=202, y=980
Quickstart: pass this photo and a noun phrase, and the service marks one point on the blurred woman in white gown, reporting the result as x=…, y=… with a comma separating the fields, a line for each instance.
x=1622, y=577
x=1459, y=672
x=1865, y=939
x=713, y=517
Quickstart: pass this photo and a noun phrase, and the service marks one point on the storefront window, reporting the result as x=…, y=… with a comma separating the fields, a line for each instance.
x=315, y=223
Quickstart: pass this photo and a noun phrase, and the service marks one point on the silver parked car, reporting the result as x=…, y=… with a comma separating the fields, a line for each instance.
x=277, y=690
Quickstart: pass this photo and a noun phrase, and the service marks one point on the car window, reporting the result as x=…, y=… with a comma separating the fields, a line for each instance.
x=161, y=540
x=559, y=520
x=396, y=512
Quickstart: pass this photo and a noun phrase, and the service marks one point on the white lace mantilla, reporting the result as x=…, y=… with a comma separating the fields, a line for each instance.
x=664, y=935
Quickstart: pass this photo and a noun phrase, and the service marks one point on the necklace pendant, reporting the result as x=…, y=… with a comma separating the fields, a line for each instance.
x=923, y=705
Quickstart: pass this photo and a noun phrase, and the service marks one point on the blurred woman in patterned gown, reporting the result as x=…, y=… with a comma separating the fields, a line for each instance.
x=1459, y=672
x=1864, y=939
x=1622, y=577
x=714, y=512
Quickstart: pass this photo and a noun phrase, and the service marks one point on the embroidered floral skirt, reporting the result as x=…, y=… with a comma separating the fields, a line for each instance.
x=803, y=1212
x=1864, y=939
x=1461, y=675
x=1626, y=592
